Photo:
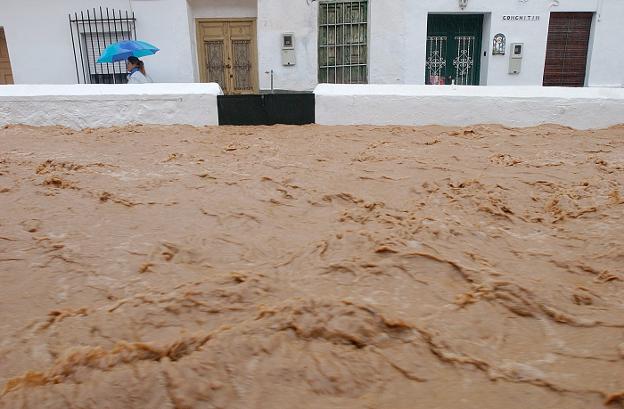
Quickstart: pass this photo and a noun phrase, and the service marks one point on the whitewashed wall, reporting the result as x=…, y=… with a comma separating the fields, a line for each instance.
x=165, y=24
x=223, y=8
x=606, y=66
x=281, y=16
x=416, y=105
x=95, y=106
x=398, y=55
x=398, y=30
x=40, y=48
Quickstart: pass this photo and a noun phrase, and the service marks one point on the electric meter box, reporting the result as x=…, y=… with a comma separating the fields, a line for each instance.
x=288, y=49
x=515, y=58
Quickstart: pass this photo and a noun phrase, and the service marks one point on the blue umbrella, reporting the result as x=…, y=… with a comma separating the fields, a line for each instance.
x=122, y=50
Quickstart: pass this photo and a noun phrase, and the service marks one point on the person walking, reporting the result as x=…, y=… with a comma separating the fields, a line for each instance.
x=136, y=71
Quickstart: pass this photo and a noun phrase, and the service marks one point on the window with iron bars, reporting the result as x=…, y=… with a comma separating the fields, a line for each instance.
x=92, y=31
x=343, y=42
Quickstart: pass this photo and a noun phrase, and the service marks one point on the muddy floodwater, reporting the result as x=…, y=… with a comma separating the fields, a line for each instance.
x=312, y=267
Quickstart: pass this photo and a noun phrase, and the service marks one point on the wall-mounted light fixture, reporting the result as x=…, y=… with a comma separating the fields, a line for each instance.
x=463, y=4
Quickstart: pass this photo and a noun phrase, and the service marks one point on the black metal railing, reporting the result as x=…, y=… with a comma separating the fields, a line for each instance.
x=91, y=31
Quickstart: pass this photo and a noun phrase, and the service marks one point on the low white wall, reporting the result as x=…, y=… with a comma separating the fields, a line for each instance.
x=95, y=106
x=581, y=108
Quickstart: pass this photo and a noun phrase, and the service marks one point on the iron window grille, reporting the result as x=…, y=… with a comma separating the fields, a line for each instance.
x=343, y=42
x=91, y=32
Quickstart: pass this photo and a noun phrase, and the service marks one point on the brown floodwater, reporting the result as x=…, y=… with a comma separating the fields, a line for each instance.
x=312, y=267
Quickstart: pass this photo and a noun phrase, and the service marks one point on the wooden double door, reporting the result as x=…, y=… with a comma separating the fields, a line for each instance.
x=6, y=75
x=227, y=54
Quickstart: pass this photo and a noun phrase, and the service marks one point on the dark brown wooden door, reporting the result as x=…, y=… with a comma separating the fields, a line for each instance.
x=6, y=75
x=566, y=53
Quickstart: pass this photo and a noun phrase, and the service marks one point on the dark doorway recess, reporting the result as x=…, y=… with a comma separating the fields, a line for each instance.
x=454, y=49
x=266, y=109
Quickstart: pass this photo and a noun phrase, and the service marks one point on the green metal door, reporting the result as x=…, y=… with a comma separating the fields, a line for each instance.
x=453, y=49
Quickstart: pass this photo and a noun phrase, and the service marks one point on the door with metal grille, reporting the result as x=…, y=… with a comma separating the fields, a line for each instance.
x=566, y=52
x=453, y=49
x=6, y=75
x=227, y=54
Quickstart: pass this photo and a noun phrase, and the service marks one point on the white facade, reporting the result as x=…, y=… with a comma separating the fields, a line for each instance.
x=39, y=41
x=398, y=56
